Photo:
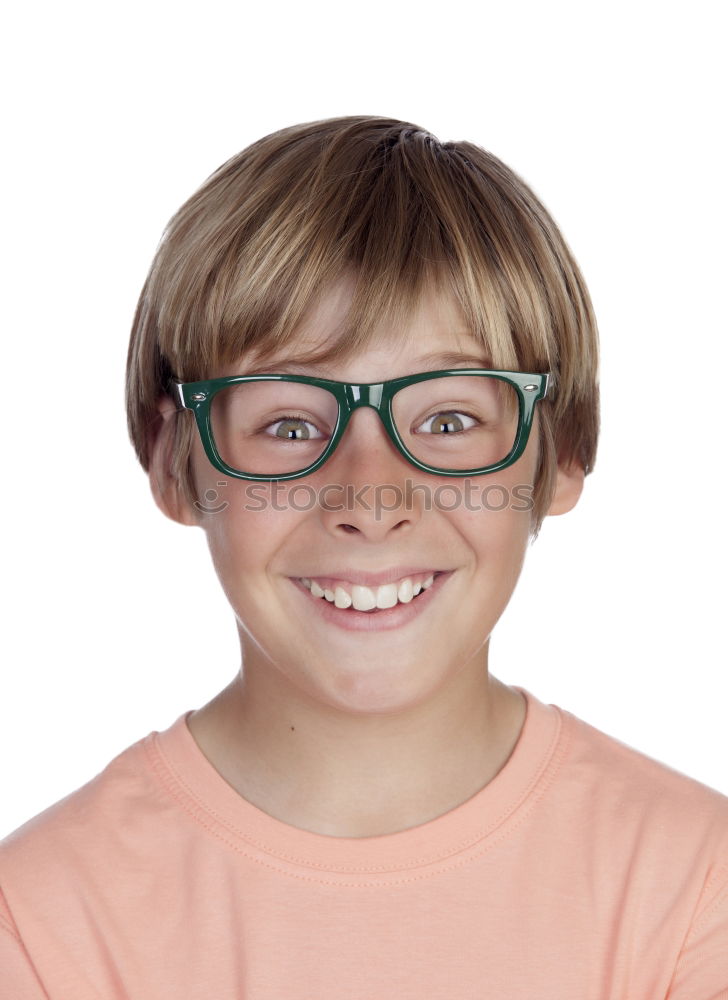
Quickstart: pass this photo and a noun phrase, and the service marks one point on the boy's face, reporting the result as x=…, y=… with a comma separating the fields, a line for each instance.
x=475, y=533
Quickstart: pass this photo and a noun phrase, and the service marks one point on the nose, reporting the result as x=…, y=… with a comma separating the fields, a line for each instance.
x=367, y=483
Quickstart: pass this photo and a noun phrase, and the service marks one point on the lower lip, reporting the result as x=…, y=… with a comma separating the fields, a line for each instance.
x=375, y=621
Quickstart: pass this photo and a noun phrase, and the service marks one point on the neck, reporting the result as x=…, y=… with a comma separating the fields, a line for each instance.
x=319, y=769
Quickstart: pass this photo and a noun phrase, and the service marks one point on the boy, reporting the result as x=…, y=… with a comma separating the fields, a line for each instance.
x=352, y=339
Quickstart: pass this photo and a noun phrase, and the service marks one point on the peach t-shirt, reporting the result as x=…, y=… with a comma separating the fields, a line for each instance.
x=583, y=870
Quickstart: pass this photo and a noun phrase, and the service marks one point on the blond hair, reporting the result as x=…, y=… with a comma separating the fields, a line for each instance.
x=246, y=256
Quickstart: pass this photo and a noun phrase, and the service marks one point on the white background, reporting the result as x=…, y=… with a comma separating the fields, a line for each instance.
x=614, y=113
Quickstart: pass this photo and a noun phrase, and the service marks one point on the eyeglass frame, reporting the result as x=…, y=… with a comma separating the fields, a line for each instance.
x=198, y=396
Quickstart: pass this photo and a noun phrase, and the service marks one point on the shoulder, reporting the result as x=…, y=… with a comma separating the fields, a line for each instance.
x=87, y=820
x=631, y=788
x=625, y=764
x=653, y=839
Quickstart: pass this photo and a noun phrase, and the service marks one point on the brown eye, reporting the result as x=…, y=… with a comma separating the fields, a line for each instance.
x=448, y=422
x=294, y=429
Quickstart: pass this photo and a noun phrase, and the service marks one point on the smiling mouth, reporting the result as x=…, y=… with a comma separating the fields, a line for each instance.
x=360, y=598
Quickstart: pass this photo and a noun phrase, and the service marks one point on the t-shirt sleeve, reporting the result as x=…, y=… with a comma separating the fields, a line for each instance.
x=702, y=968
x=17, y=975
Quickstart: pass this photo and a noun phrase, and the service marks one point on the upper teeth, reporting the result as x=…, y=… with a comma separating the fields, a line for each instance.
x=345, y=595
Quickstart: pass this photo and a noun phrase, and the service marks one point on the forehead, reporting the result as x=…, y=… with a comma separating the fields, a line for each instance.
x=432, y=335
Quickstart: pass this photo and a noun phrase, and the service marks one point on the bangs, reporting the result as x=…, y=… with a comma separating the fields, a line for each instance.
x=401, y=215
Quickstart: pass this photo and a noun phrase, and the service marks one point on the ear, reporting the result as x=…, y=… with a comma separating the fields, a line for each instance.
x=569, y=484
x=166, y=489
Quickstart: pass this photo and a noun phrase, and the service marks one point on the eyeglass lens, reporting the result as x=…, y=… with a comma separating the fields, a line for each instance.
x=454, y=422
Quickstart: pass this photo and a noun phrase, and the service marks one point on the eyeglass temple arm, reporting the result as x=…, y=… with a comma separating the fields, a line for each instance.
x=174, y=389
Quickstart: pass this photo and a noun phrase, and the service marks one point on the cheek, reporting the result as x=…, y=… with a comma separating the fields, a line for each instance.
x=495, y=521
x=499, y=504
x=252, y=522
x=497, y=531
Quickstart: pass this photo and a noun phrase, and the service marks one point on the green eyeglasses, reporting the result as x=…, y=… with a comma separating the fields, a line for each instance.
x=456, y=422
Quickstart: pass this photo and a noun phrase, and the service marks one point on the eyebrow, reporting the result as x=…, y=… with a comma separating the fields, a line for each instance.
x=429, y=362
